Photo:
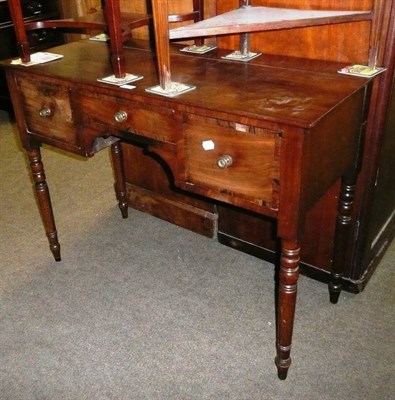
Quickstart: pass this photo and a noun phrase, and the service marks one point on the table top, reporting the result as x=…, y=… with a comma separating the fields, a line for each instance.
x=276, y=89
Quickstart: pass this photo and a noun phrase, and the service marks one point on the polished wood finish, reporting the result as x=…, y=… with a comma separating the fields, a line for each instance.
x=306, y=121
x=372, y=224
x=287, y=290
x=345, y=43
x=257, y=150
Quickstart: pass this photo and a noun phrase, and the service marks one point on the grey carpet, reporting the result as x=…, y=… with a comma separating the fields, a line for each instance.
x=141, y=309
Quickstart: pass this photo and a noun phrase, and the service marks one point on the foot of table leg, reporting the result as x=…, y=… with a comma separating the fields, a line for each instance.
x=120, y=188
x=282, y=367
x=343, y=226
x=287, y=290
x=44, y=200
x=335, y=287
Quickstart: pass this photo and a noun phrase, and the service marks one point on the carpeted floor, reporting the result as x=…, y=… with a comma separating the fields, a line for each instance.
x=141, y=309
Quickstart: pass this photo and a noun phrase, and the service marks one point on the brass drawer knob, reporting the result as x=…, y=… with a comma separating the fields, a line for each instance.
x=225, y=161
x=120, y=116
x=45, y=112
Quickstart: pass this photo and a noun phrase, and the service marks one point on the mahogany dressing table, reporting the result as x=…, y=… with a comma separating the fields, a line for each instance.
x=267, y=137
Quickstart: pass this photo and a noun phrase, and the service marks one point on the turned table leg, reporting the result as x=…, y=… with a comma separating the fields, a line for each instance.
x=44, y=200
x=343, y=226
x=119, y=185
x=287, y=290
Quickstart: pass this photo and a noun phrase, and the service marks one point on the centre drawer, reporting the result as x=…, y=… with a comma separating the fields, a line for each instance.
x=232, y=160
x=114, y=114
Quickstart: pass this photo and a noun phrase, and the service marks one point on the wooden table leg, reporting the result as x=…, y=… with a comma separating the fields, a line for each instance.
x=120, y=188
x=287, y=290
x=342, y=232
x=44, y=200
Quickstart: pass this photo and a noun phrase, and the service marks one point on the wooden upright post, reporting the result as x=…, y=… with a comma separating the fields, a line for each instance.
x=167, y=87
x=160, y=9
x=112, y=14
x=20, y=32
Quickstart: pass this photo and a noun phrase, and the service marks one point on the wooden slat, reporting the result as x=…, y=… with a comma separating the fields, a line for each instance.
x=255, y=19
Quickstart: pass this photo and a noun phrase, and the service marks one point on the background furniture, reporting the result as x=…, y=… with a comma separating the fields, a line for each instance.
x=109, y=21
x=33, y=10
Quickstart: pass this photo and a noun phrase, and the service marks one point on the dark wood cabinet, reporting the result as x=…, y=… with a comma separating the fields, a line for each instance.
x=39, y=40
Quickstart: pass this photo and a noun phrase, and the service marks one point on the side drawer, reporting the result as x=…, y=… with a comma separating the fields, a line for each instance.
x=232, y=160
x=112, y=114
x=47, y=109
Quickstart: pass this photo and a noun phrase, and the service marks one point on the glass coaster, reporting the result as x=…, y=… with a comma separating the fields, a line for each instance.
x=112, y=80
x=238, y=56
x=176, y=89
x=205, y=48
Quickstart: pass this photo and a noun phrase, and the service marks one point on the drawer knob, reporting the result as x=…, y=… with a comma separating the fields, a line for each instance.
x=121, y=116
x=225, y=161
x=45, y=112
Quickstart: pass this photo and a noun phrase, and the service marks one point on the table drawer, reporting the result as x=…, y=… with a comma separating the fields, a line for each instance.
x=232, y=159
x=113, y=114
x=47, y=110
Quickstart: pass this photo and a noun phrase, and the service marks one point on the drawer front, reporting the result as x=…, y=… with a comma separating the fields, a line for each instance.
x=31, y=9
x=47, y=109
x=44, y=38
x=232, y=160
x=38, y=8
x=112, y=114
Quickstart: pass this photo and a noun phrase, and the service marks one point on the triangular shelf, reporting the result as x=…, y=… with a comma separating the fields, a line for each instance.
x=256, y=18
